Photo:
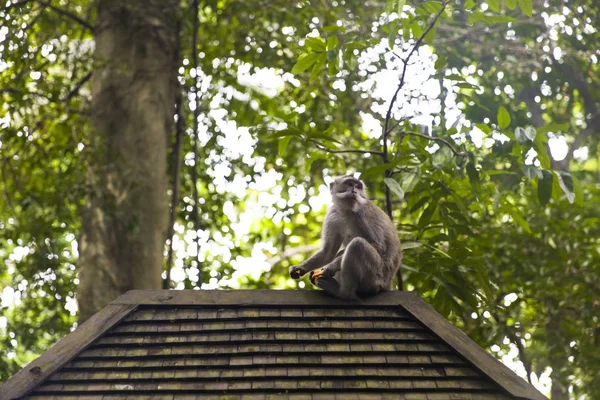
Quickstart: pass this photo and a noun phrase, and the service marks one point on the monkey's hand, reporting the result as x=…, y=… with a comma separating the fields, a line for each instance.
x=321, y=273
x=296, y=272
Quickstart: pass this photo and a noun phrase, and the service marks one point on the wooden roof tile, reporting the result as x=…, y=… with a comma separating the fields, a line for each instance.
x=266, y=344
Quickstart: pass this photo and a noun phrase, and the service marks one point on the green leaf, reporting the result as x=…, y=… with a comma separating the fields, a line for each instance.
x=376, y=170
x=283, y=144
x=526, y=7
x=578, y=190
x=394, y=186
x=401, y=4
x=542, y=155
x=503, y=118
x=427, y=214
x=332, y=64
x=430, y=35
x=494, y=5
x=305, y=61
x=335, y=28
x=532, y=172
x=566, y=184
x=318, y=66
x=416, y=29
x=441, y=156
x=411, y=269
x=516, y=216
x=520, y=135
x=552, y=128
x=454, y=77
x=272, y=135
x=484, y=128
x=530, y=133
x=410, y=245
x=324, y=136
x=433, y=7
x=332, y=42
x=408, y=181
x=393, y=32
x=510, y=4
x=441, y=63
x=420, y=203
x=469, y=4
x=544, y=191
x=473, y=174
x=466, y=85
x=390, y=6
x=317, y=44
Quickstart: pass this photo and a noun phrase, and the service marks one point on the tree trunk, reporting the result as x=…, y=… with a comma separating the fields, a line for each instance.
x=124, y=223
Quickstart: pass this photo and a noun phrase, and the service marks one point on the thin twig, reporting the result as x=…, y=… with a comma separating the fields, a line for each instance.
x=405, y=62
x=68, y=14
x=345, y=151
x=437, y=139
x=73, y=92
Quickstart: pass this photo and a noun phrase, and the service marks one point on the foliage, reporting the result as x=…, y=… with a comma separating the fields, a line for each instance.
x=499, y=235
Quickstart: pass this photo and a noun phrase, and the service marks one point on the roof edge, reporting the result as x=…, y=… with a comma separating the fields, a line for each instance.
x=254, y=297
x=474, y=353
x=64, y=351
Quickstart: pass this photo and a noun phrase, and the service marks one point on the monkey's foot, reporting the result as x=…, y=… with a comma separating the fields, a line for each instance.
x=296, y=272
x=315, y=276
x=329, y=285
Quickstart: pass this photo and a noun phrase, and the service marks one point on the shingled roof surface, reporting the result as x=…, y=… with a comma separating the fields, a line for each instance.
x=266, y=344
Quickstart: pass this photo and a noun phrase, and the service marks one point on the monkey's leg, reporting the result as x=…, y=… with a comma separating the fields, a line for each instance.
x=360, y=265
x=329, y=285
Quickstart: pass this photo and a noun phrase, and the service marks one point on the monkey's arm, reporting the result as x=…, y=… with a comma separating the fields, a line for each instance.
x=331, y=244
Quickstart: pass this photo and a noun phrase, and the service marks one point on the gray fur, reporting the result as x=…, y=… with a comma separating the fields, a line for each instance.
x=372, y=252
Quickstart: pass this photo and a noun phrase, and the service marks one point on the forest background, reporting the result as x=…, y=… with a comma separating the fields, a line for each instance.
x=189, y=144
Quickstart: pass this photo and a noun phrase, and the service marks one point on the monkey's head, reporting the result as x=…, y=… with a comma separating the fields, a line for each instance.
x=348, y=192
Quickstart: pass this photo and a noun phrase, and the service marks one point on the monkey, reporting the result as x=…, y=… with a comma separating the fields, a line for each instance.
x=372, y=252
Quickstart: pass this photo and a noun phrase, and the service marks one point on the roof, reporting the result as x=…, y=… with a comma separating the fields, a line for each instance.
x=266, y=344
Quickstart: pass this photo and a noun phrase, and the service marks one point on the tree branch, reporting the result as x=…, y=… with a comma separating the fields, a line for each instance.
x=73, y=92
x=405, y=62
x=437, y=139
x=68, y=14
x=345, y=151
x=388, y=116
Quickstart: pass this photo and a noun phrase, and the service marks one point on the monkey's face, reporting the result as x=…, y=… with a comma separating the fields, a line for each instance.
x=348, y=192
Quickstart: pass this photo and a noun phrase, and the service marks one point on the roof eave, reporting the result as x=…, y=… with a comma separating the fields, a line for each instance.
x=64, y=351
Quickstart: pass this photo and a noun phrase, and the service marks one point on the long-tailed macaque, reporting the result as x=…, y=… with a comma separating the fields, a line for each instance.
x=372, y=253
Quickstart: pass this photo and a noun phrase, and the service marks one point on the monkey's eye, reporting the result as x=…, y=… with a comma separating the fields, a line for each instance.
x=359, y=185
